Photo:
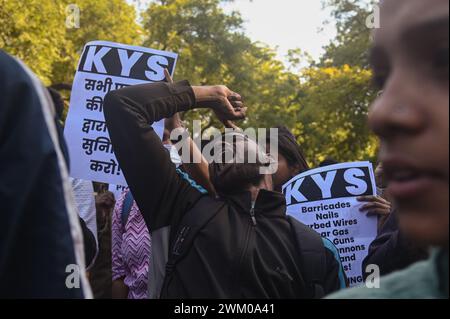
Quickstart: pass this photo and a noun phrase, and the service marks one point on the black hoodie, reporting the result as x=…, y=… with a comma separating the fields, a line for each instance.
x=233, y=256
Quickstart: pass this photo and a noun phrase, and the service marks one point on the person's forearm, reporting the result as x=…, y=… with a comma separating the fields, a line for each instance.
x=196, y=166
x=198, y=169
x=153, y=101
x=142, y=158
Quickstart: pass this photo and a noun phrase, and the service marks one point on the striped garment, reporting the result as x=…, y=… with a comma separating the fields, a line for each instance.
x=131, y=246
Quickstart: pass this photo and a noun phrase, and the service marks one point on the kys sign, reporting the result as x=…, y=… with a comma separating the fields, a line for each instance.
x=126, y=61
x=326, y=200
x=104, y=67
x=326, y=183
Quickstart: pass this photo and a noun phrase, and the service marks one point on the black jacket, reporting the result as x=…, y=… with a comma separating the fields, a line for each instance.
x=39, y=235
x=231, y=257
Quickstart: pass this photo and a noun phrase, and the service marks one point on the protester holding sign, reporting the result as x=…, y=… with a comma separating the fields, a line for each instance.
x=410, y=62
x=326, y=200
x=292, y=162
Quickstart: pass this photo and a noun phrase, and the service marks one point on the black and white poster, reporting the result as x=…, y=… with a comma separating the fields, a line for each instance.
x=104, y=67
x=325, y=199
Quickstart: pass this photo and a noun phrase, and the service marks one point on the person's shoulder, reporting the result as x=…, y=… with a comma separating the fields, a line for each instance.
x=6, y=59
x=11, y=68
x=417, y=281
x=18, y=86
x=15, y=80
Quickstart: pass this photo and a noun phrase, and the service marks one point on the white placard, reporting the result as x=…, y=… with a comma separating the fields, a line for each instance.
x=117, y=190
x=325, y=199
x=104, y=67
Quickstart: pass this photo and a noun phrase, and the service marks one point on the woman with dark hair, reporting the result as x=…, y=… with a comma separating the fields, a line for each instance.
x=291, y=160
x=410, y=66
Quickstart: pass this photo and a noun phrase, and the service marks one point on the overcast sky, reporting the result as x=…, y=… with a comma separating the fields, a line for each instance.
x=285, y=24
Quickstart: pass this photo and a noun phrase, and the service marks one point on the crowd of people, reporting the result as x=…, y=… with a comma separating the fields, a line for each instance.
x=219, y=229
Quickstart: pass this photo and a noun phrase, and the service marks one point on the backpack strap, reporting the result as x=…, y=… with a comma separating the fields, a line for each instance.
x=193, y=221
x=312, y=256
x=126, y=208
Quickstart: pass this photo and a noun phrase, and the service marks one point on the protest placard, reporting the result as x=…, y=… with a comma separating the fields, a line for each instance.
x=325, y=200
x=117, y=190
x=104, y=67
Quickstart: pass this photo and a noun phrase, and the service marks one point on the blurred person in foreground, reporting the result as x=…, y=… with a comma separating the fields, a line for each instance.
x=410, y=65
x=391, y=250
x=41, y=244
x=83, y=190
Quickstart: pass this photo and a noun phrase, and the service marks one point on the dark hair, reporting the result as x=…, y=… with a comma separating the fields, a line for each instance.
x=229, y=178
x=58, y=102
x=327, y=162
x=234, y=178
x=290, y=149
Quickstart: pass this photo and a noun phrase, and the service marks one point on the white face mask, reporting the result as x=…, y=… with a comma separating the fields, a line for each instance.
x=174, y=156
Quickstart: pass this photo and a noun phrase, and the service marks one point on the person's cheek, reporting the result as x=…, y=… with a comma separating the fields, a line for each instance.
x=279, y=177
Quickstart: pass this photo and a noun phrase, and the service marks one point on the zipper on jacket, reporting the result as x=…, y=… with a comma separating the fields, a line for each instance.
x=248, y=233
x=252, y=214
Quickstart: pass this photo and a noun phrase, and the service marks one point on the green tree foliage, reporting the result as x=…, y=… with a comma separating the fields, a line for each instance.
x=353, y=36
x=332, y=118
x=325, y=105
x=108, y=20
x=213, y=49
x=200, y=32
x=35, y=31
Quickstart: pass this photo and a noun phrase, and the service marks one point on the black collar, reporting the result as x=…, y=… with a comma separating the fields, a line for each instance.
x=267, y=202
